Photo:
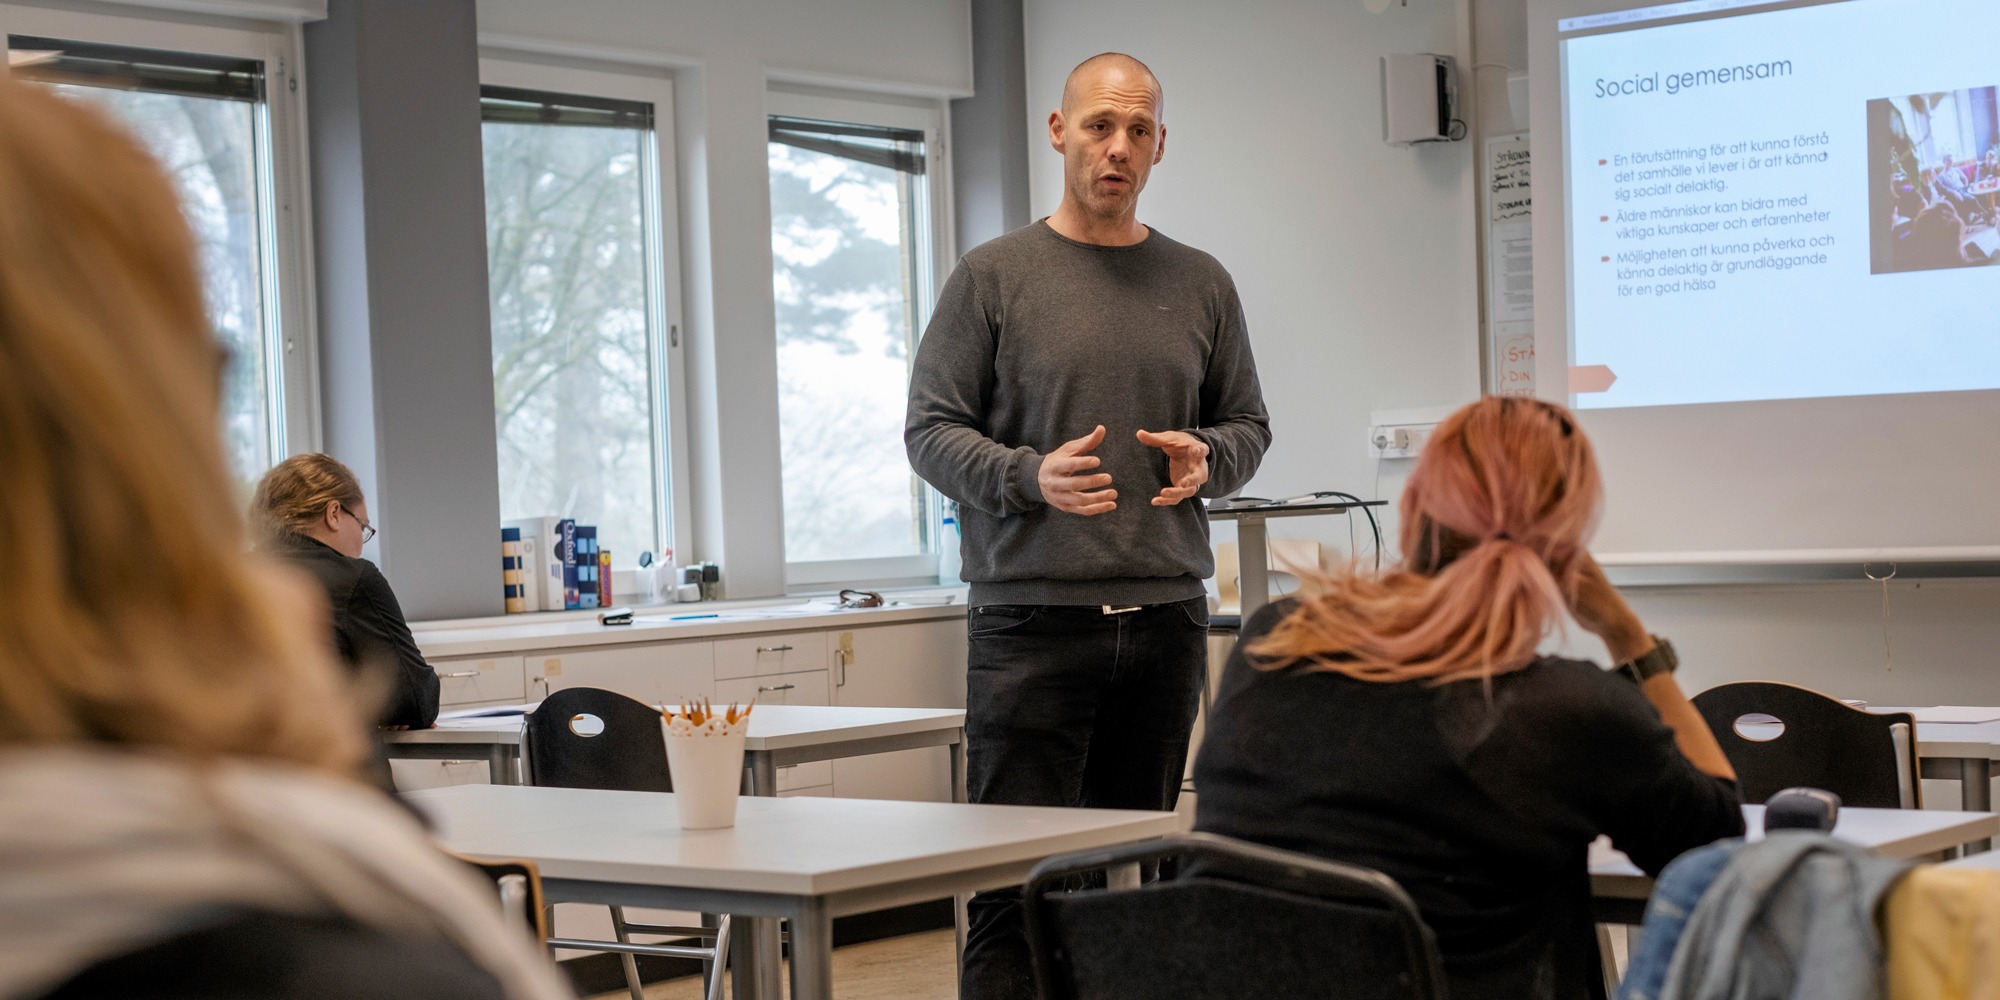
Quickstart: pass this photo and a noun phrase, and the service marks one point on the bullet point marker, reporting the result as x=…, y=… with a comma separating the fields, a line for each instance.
x=1604, y=218
x=1601, y=162
x=1604, y=260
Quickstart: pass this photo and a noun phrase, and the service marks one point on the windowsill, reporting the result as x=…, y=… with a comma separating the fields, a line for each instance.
x=667, y=622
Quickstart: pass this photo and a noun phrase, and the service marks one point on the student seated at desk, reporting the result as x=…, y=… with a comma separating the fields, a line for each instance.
x=180, y=813
x=1404, y=722
x=312, y=515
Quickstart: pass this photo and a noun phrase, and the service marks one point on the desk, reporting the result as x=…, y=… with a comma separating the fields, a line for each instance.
x=779, y=736
x=1958, y=751
x=1253, y=558
x=806, y=860
x=1893, y=833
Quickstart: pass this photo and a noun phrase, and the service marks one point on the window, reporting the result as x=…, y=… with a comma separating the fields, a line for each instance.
x=576, y=270
x=204, y=114
x=852, y=261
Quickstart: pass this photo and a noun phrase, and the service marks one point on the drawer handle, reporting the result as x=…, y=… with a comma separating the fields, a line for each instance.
x=774, y=649
x=781, y=687
x=461, y=673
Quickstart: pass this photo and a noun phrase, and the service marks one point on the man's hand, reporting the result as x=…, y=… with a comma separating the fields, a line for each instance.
x=1187, y=464
x=1064, y=482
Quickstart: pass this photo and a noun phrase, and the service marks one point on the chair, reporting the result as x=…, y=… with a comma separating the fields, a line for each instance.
x=519, y=885
x=591, y=738
x=1237, y=921
x=1799, y=737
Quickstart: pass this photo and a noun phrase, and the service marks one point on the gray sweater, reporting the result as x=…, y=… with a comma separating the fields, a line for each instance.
x=1036, y=339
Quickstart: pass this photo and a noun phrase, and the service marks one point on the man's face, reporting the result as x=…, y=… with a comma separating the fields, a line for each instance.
x=1110, y=137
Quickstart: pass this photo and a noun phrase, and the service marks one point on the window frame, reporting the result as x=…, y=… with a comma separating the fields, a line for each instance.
x=293, y=416
x=931, y=118
x=672, y=492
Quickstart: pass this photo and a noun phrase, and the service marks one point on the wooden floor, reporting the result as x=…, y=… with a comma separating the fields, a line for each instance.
x=913, y=967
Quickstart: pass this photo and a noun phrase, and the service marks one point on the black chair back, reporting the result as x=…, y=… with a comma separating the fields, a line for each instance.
x=591, y=738
x=1860, y=756
x=1235, y=921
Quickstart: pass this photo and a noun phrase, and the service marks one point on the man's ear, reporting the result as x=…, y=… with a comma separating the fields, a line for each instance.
x=1056, y=128
x=1160, y=148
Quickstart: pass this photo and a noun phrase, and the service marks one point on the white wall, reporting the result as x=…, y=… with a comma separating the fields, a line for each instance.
x=724, y=55
x=1355, y=260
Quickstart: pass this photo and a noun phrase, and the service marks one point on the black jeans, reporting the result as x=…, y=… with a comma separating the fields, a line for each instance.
x=1069, y=706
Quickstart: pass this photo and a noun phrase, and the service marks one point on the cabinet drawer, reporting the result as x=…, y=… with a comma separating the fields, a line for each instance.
x=471, y=679
x=807, y=688
x=777, y=653
x=655, y=673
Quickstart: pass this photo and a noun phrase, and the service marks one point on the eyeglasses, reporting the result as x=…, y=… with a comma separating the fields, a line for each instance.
x=367, y=530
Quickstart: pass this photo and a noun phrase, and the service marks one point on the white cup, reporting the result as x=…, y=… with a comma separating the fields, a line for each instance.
x=707, y=772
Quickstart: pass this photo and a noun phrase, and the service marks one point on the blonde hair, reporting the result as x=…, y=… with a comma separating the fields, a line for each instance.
x=1494, y=522
x=130, y=612
x=296, y=492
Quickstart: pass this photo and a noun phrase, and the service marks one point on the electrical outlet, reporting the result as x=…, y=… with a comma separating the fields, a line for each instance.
x=1402, y=433
x=1398, y=440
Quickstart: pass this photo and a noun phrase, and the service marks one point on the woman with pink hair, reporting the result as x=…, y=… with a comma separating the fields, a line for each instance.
x=1405, y=722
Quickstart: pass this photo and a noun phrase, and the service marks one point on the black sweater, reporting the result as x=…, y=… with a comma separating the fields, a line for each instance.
x=1483, y=811
x=368, y=628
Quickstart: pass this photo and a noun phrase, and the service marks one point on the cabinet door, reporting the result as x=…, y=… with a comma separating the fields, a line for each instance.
x=912, y=665
x=657, y=673
x=469, y=680
x=808, y=688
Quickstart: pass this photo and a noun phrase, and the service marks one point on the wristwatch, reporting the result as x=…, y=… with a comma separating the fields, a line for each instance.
x=1661, y=660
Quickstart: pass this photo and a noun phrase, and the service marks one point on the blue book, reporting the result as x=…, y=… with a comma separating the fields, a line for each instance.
x=586, y=565
x=566, y=551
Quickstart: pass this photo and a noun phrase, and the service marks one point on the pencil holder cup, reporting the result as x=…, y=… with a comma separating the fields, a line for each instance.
x=706, y=763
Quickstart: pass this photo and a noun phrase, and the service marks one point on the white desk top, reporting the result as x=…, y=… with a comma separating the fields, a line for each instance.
x=661, y=623
x=1892, y=833
x=772, y=727
x=796, y=847
x=1953, y=739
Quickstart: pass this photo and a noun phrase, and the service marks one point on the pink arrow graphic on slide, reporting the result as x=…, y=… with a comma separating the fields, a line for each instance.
x=1590, y=378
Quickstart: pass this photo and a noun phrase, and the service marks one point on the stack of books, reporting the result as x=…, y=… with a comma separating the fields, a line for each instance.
x=553, y=564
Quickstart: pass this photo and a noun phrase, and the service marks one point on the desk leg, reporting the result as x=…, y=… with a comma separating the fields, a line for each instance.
x=503, y=764
x=812, y=952
x=1253, y=565
x=1975, y=776
x=766, y=935
x=763, y=774
x=756, y=966
x=959, y=794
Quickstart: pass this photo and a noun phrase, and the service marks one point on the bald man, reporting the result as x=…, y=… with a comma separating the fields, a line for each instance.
x=1082, y=381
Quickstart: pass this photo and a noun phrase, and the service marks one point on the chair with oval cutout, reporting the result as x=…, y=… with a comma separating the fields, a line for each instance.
x=1781, y=736
x=591, y=738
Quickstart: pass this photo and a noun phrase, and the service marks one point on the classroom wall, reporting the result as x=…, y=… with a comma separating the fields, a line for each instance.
x=1354, y=260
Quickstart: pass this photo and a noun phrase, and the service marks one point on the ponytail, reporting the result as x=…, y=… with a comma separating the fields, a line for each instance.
x=1494, y=521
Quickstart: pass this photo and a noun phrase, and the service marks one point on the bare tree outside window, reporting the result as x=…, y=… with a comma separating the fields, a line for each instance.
x=844, y=242
x=209, y=148
x=573, y=348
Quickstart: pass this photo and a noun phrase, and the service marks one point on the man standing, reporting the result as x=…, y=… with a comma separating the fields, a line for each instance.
x=1070, y=363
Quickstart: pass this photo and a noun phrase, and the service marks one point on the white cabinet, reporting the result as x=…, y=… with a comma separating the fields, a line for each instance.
x=808, y=688
x=914, y=665
x=658, y=673
x=769, y=653
x=471, y=680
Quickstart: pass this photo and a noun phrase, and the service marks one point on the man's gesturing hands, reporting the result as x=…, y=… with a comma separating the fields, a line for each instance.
x=1069, y=485
x=1064, y=477
x=1187, y=464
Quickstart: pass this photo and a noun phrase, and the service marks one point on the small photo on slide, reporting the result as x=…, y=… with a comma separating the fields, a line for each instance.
x=1934, y=180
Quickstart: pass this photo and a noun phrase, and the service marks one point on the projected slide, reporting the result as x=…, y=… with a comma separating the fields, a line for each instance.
x=1783, y=204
